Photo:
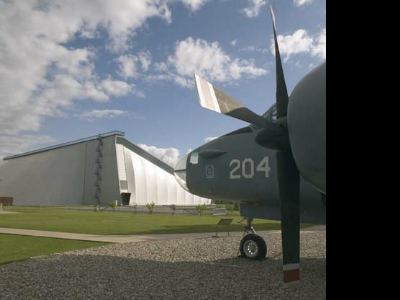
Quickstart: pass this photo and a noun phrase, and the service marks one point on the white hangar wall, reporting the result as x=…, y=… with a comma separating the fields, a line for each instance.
x=49, y=178
x=61, y=176
x=147, y=179
x=89, y=172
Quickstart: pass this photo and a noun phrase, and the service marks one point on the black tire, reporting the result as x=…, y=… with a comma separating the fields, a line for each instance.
x=253, y=246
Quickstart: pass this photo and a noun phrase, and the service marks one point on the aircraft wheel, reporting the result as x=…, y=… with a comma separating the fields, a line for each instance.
x=253, y=246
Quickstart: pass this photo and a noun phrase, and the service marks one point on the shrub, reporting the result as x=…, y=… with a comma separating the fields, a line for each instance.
x=134, y=206
x=201, y=208
x=150, y=207
x=112, y=204
x=173, y=208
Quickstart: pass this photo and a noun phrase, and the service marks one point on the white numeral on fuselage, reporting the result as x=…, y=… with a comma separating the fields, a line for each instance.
x=245, y=169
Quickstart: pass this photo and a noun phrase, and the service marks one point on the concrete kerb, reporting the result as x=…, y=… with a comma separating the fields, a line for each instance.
x=121, y=239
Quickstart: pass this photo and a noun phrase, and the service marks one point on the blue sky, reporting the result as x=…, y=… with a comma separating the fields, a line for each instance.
x=70, y=69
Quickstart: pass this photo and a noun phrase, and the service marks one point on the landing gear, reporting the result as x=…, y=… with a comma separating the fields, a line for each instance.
x=252, y=245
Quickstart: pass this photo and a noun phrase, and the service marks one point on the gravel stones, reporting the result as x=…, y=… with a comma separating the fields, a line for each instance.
x=189, y=268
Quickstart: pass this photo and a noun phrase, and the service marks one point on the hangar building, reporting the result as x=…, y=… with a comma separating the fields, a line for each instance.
x=92, y=171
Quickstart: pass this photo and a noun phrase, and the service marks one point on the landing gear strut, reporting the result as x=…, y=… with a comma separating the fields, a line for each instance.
x=252, y=245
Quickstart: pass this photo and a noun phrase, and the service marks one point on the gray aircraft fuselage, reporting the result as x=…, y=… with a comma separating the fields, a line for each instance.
x=242, y=167
x=236, y=169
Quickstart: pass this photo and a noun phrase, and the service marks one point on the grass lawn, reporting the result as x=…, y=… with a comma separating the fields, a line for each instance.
x=17, y=248
x=108, y=222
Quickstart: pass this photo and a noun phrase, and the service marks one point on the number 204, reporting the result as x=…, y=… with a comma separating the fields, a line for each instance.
x=245, y=169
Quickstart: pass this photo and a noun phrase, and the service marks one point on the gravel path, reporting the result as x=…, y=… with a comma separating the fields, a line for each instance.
x=190, y=268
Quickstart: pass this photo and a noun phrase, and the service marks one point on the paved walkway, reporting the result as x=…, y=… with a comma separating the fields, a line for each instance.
x=126, y=238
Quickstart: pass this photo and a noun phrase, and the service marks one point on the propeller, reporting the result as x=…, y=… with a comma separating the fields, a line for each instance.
x=289, y=181
x=273, y=135
x=216, y=100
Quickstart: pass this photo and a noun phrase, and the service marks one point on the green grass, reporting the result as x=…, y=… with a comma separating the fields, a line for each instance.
x=110, y=223
x=17, y=248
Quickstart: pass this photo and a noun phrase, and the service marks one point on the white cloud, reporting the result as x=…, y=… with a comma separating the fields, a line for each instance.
x=204, y=58
x=254, y=49
x=115, y=87
x=145, y=60
x=105, y=113
x=40, y=76
x=300, y=42
x=210, y=61
x=209, y=139
x=254, y=8
x=299, y=3
x=160, y=66
x=168, y=155
x=12, y=144
x=194, y=5
x=75, y=62
x=234, y=43
x=129, y=64
x=319, y=48
x=185, y=82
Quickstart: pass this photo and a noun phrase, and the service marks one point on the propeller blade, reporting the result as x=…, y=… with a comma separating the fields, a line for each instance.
x=289, y=190
x=282, y=97
x=216, y=100
x=289, y=180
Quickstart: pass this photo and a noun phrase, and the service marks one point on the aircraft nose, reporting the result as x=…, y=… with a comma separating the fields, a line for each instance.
x=180, y=173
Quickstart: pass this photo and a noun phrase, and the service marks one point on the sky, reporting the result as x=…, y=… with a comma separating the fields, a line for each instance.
x=71, y=69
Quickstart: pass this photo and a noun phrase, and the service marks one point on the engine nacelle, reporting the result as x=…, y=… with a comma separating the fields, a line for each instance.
x=307, y=127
